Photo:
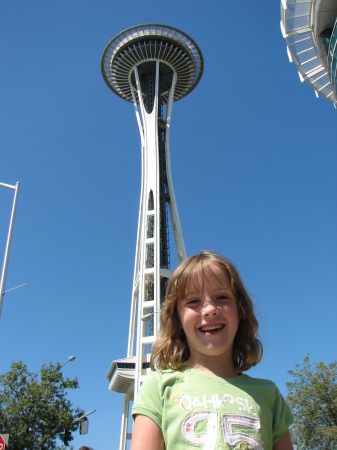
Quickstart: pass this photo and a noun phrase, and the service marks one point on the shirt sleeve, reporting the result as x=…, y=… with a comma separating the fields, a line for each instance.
x=148, y=402
x=282, y=417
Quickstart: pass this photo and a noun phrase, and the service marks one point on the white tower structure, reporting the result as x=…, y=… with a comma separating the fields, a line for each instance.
x=150, y=66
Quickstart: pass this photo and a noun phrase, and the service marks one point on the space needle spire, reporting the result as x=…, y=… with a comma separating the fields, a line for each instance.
x=151, y=66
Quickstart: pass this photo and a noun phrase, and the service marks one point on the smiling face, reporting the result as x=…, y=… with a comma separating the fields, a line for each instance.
x=209, y=317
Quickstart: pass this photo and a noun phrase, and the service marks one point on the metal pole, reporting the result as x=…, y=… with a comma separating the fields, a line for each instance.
x=71, y=358
x=84, y=415
x=8, y=245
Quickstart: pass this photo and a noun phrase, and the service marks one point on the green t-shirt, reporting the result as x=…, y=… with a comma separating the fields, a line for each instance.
x=199, y=411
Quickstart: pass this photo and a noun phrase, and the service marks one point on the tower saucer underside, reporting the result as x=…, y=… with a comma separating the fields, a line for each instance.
x=141, y=46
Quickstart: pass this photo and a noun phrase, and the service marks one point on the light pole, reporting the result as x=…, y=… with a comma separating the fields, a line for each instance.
x=71, y=358
x=8, y=244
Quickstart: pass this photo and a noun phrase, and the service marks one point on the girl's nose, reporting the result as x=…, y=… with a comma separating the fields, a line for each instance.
x=209, y=309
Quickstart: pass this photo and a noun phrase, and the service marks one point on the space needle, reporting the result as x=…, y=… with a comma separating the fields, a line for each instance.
x=151, y=66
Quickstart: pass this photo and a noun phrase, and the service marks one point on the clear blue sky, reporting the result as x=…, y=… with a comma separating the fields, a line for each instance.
x=254, y=170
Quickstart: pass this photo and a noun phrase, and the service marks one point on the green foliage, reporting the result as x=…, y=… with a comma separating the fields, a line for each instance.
x=35, y=412
x=312, y=396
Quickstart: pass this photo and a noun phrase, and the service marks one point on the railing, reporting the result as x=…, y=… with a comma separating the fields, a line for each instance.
x=297, y=26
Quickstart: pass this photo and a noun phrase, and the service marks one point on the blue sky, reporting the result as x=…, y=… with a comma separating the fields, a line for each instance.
x=253, y=156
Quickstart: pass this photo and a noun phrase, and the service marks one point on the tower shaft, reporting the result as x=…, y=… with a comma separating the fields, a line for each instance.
x=152, y=252
x=151, y=271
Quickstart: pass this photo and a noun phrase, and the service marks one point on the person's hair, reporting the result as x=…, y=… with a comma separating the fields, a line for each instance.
x=170, y=350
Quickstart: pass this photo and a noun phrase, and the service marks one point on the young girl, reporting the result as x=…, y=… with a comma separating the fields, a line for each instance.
x=197, y=396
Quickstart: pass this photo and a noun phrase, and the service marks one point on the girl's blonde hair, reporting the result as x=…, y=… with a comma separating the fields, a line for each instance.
x=170, y=350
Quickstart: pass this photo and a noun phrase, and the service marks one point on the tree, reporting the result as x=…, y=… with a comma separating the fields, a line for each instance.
x=35, y=412
x=312, y=396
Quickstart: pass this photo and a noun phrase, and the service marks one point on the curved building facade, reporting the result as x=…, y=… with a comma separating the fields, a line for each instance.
x=309, y=29
x=329, y=37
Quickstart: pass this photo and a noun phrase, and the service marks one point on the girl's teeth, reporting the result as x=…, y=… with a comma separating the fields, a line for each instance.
x=211, y=328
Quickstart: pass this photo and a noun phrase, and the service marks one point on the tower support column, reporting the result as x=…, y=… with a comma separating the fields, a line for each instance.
x=147, y=270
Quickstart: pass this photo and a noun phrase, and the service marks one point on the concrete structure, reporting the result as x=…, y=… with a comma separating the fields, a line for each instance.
x=309, y=27
x=150, y=66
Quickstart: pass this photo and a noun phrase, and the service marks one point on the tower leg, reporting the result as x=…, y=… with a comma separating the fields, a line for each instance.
x=125, y=436
x=148, y=271
x=151, y=268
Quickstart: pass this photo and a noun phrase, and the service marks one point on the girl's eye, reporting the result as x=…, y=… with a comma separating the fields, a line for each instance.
x=222, y=297
x=193, y=301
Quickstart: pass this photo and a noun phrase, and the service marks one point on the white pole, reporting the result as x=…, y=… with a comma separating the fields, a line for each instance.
x=8, y=245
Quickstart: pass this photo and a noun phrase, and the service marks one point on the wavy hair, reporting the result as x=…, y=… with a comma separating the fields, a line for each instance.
x=170, y=350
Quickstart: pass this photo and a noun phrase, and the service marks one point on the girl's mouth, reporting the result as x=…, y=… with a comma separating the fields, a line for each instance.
x=211, y=328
